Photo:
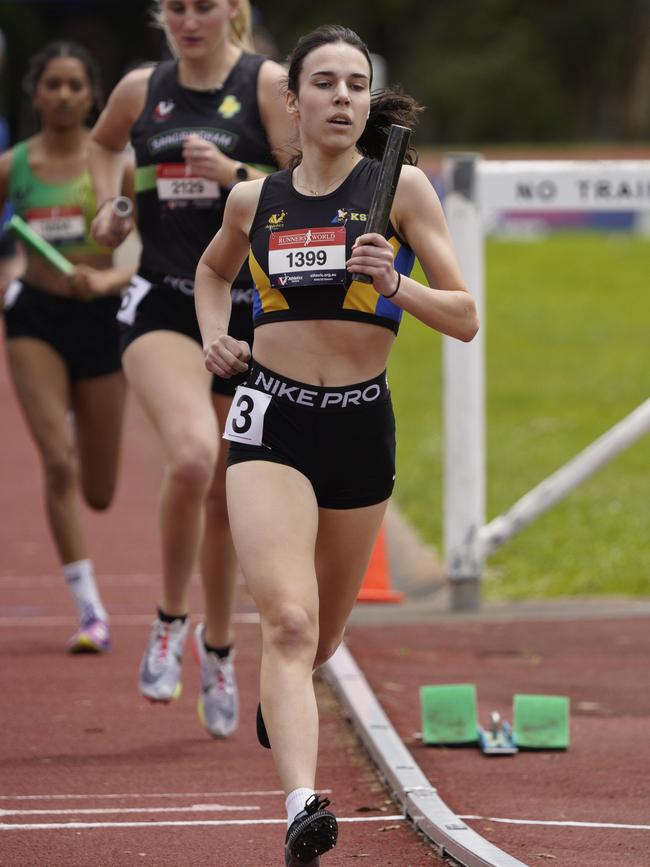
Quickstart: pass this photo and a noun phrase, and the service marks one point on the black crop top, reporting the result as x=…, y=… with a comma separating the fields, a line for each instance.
x=299, y=247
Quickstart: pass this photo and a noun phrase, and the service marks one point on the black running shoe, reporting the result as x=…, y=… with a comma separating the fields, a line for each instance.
x=262, y=735
x=290, y=861
x=312, y=832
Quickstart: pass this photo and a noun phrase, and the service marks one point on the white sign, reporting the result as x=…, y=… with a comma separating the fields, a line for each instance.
x=557, y=185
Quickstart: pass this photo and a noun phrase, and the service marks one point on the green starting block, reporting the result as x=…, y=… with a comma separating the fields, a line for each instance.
x=449, y=714
x=449, y=717
x=541, y=722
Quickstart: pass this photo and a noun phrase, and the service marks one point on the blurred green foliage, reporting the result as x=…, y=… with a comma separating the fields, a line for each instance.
x=504, y=70
x=488, y=71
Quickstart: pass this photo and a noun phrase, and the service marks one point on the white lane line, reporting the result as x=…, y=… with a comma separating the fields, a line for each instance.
x=200, y=808
x=557, y=824
x=138, y=795
x=40, y=620
x=75, y=826
x=99, y=811
x=403, y=776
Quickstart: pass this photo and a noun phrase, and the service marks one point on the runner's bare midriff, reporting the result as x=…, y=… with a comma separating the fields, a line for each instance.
x=323, y=352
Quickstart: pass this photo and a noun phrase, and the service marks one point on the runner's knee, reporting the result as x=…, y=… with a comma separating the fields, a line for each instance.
x=98, y=499
x=60, y=472
x=192, y=467
x=291, y=630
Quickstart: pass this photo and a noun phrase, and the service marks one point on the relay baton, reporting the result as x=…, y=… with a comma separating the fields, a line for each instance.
x=121, y=209
x=23, y=231
x=382, y=198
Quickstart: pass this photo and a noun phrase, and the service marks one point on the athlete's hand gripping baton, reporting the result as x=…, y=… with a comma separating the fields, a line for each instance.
x=23, y=231
x=382, y=198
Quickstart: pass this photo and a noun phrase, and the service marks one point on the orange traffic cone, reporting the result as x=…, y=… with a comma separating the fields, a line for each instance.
x=376, y=584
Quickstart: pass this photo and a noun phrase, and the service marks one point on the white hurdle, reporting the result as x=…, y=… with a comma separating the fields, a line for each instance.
x=477, y=190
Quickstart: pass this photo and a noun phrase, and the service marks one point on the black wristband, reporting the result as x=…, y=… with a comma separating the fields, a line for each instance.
x=396, y=289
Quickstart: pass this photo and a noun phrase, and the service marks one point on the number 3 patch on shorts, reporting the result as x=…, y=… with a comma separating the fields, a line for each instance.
x=135, y=292
x=245, y=422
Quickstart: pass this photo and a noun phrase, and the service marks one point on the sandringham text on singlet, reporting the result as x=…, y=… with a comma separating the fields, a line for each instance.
x=174, y=138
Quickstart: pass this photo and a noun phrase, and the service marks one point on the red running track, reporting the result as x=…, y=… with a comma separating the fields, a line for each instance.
x=79, y=745
x=91, y=775
x=586, y=807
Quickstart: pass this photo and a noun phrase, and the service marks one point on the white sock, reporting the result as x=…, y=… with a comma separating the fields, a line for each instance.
x=295, y=802
x=81, y=581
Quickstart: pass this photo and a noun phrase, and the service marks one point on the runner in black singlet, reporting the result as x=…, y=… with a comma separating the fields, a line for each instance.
x=198, y=124
x=312, y=452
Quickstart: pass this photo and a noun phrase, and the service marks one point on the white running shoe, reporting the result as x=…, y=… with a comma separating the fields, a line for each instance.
x=218, y=704
x=160, y=669
x=93, y=636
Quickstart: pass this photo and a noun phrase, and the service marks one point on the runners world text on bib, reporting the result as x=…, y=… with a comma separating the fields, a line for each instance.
x=304, y=257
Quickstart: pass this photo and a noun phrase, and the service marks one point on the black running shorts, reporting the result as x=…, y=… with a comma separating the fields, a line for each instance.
x=167, y=304
x=84, y=333
x=342, y=439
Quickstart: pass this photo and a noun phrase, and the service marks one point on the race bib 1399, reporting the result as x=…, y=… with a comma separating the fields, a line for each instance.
x=305, y=257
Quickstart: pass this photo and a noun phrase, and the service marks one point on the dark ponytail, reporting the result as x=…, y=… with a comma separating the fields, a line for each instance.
x=386, y=106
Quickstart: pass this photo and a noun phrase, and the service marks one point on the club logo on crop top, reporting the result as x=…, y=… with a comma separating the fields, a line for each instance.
x=343, y=216
x=229, y=107
x=164, y=109
x=20, y=194
x=276, y=221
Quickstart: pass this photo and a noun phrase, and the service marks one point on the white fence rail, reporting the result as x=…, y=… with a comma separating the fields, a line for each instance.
x=566, y=479
x=476, y=191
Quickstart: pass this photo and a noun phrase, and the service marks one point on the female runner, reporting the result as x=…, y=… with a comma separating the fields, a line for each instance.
x=198, y=124
x=312, y=451
x=62, y=337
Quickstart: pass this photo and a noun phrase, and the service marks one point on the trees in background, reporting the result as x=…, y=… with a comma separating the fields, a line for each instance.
x=489, y=71
x=503, y=70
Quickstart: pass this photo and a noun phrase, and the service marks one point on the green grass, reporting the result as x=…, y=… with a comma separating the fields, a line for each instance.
x=568, y=352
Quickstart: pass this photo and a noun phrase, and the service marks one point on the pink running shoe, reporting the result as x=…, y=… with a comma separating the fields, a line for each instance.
x=93, y=636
